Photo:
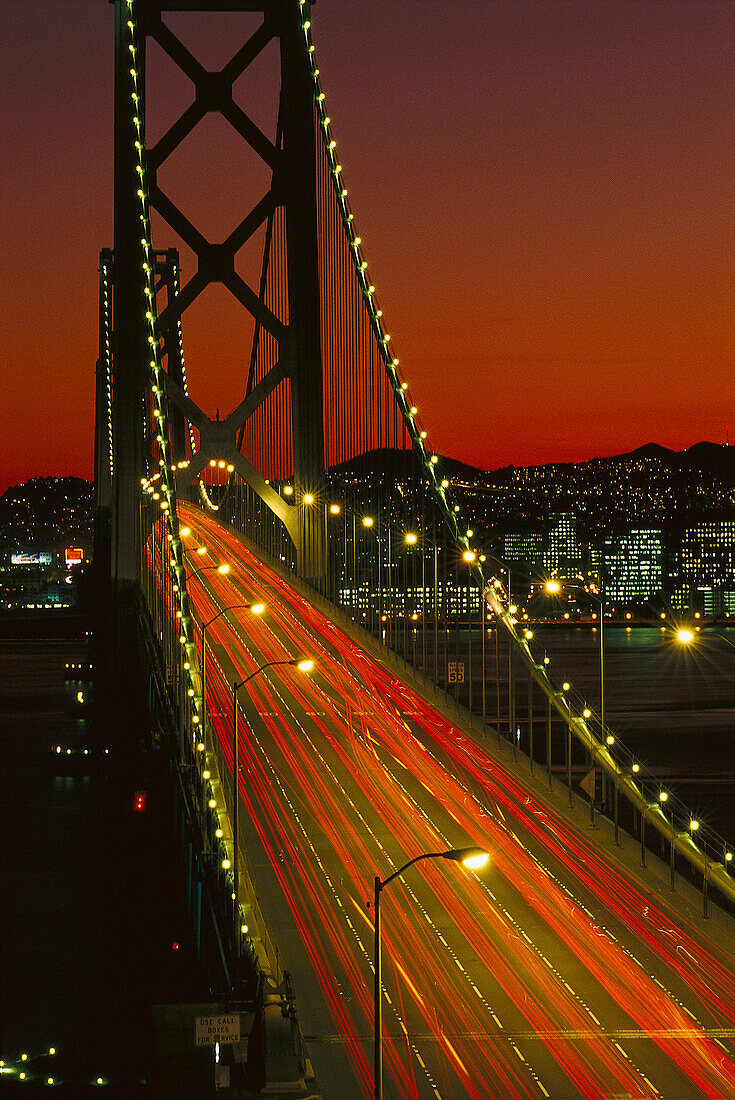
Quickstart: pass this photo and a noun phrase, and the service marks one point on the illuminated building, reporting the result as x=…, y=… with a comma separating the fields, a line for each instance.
x=562, y=552
x=706, y=572
x=633, y=566
x=525, y=547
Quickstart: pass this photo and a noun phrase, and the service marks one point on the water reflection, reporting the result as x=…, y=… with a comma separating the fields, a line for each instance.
x=673, y=705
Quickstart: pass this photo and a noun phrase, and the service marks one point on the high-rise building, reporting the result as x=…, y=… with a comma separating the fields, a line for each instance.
x=562, y=551
x=708, y=553
x=706, y=565
x=524, y=547
x=633, y=566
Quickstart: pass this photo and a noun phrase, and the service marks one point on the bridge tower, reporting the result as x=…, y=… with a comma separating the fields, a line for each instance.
x=292, y=161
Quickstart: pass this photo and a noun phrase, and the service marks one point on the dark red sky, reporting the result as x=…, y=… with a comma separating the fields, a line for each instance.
x=544, y=189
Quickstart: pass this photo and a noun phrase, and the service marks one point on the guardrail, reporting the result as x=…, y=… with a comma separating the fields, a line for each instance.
x=630, y=778
x=202, y=780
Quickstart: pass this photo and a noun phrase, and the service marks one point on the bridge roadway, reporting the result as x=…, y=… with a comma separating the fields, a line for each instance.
x=558, y=972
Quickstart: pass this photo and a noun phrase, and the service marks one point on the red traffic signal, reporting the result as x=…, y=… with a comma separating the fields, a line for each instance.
x=139, y=801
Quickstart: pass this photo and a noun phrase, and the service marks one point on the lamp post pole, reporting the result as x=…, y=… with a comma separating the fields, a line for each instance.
x=378, y=994
x=512, y=699
x=497, y=679
x=553, y=587
x=602, y=702
x=380, y=588
x=548, y=741
x=304, y=665
x=205, y=627
x=530, y=721
x=235, y=843
x=602, y=662
x=474, y=859
x=511, y=684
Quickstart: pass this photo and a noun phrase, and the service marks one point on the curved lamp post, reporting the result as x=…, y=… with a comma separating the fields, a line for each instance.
x=222, y=569
x=257, y=609
x=473, y=859
x=304, y=664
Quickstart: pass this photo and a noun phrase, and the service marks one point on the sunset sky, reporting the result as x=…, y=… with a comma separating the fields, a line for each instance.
x=544, y=188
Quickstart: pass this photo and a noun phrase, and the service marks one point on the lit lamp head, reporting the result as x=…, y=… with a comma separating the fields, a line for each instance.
x=552, y=588
x=304, y=664
x=469, y=556
x=257, y=608
x=411, y=539
x=474, y=859
x=367, y=521
x=685, y=636
x=223, y=569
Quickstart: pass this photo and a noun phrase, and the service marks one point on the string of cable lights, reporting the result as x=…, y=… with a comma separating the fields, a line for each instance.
x=166, y=474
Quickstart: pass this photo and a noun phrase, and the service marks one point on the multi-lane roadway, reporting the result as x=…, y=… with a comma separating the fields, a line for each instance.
x=553, y=973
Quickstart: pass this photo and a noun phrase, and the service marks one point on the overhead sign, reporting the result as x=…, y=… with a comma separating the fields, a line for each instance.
x=73, y=556
x=31, y=559
x=218, y=1029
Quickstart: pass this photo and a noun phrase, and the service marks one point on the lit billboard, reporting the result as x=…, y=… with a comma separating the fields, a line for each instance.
x=30, y=559
x=73, y=556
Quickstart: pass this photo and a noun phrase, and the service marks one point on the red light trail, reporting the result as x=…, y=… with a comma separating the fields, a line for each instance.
x=553, y=974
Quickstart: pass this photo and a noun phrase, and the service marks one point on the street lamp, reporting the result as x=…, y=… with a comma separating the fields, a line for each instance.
x=303, y=664
x=330, y=510
x=553, y=588
x=223, y=570
x=368, y=523
x=410, y=538
x=686, y=637
x=257, y=609
x=471, y=858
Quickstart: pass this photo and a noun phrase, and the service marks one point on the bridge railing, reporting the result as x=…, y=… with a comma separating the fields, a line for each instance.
x=205, y=787
x=709, y=856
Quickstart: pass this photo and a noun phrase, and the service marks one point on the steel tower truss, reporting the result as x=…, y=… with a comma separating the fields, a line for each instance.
x=293, y=187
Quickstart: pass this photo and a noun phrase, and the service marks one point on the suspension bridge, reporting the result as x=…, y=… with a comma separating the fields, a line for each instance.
x=314, y=521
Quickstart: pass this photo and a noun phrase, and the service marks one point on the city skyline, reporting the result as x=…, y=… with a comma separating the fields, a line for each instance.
x=545, y=204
